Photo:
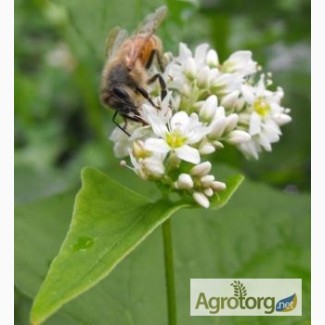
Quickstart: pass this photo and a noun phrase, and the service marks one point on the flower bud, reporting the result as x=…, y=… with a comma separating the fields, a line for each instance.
x=218, y=186
x=184, y=182
x=212, y=58
x=201, y=199
x=190, y=68
x=238, y=136
x=153, y=168
x=282, y=119
x=207, y=180
x=232, y=120
x=201, y=169
x=218, y=127
x=230, y=99
x=207, y=149
x=209, y=191
x=203, y=77
x=209, y=107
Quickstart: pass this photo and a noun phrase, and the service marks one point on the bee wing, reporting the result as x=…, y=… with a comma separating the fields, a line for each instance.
x=152, y=20
x=145, y=29
x=114, y=39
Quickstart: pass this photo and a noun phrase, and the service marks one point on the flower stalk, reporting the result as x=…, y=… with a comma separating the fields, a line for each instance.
x=169, y=272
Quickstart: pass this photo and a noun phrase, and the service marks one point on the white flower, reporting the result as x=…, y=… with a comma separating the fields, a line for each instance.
x=122, y=142
x=181, y=132
x=240, y=62
x=208, y=106
x=147, y=165
x=262, y=116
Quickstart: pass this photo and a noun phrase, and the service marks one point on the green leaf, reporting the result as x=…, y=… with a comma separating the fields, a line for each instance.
x=109, y=221
x=263, y=233
x=222, y=198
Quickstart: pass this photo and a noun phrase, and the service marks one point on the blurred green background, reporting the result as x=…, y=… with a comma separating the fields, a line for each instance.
x=60, y=126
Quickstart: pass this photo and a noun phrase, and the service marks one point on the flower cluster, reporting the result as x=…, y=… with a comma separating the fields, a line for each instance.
x=208, y=105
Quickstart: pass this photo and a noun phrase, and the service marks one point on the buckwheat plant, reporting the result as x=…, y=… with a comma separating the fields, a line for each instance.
x=209, y=105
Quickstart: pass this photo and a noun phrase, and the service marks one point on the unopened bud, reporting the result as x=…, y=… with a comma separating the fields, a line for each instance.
x=238, y=136
x=201, y=199
x=184, y=182
x=218, y=186
x=207, y=180
x=201, y=169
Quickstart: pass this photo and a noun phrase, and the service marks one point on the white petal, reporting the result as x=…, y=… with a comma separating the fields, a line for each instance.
x=120, y=150
x=200, y=53
x=265, y=142
x=255, y=124
x=179, y=121
x=184, y=51
x=141, y=133
x=154, y=166
x=248, y=93
x=196, y=134
x=249, y=149
x=260, y=88
x=241, y=62
x=212, y=58
x=202, y=77
x=156, y=145
x=272, y=132
x=156, y=122
x=190, y=68
x=189, y=154
x=121, y=143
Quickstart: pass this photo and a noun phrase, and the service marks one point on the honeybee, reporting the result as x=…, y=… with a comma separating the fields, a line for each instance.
x=125, y=75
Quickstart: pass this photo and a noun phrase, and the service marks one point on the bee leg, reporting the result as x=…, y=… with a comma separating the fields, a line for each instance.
x=145, y=94
x=119, y=126
x=162, y=84
x=156, y=53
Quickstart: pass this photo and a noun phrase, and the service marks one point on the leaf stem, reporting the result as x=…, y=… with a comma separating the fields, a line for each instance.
x=169, y=271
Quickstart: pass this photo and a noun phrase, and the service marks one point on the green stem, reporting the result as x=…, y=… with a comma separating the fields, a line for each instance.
x=169, y=272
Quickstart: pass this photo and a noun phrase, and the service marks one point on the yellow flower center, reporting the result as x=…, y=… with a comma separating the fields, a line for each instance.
x=261, y=107
x=175, y=140
x=139, y=151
